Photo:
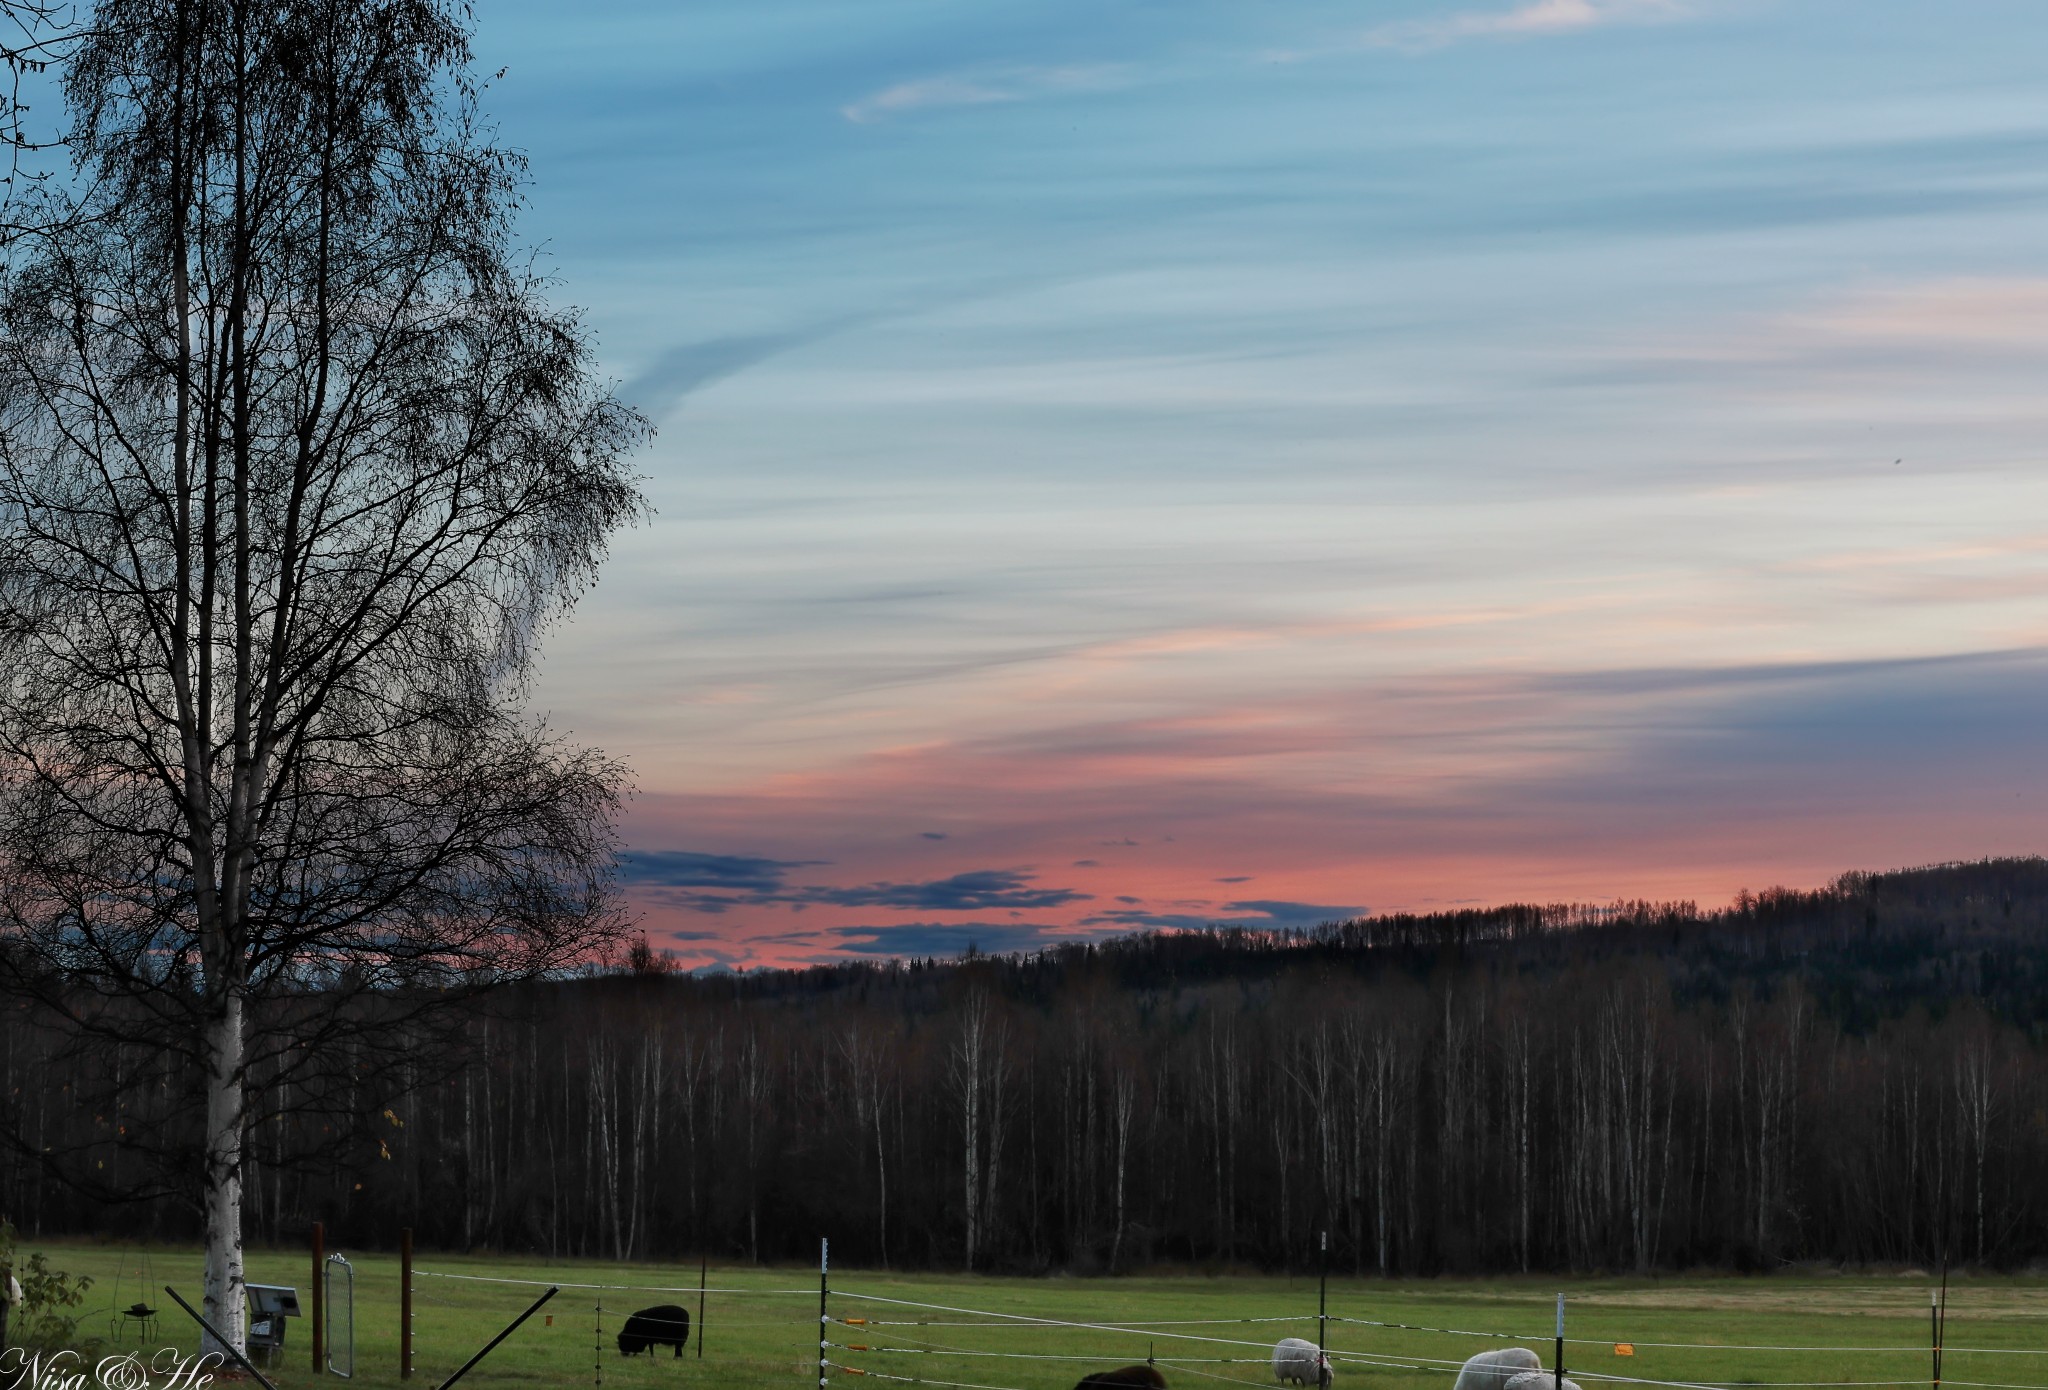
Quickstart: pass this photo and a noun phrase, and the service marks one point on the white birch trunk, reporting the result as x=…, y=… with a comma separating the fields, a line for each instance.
x=1973, y=1090
x=1126, y=1098
x=991, y=1182
x=1382, y=1078
x=968, y=1061
x=1214, y=1089
x=881, y=1182
x=226, y=1304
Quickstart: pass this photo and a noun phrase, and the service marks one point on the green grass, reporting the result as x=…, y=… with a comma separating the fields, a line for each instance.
x=767, y=1338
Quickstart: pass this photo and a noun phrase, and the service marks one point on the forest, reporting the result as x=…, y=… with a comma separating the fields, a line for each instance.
x=1854, y=1075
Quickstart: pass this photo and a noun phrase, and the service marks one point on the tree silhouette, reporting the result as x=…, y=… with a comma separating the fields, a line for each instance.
x=296, y=463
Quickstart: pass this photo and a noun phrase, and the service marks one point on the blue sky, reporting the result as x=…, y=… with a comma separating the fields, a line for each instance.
x=1171, y=462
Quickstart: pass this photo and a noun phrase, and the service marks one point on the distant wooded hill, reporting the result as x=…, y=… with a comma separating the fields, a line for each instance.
x=1854, y=1074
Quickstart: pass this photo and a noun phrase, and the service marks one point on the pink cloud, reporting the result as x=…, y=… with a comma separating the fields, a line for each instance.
x=1671, y=782
x=1536, y=18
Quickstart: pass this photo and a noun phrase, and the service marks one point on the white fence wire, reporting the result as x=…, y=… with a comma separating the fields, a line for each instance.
x=1152, y=1330
x=990, y=1320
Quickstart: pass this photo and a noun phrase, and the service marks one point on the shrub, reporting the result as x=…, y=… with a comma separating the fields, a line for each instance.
x=46, y=1319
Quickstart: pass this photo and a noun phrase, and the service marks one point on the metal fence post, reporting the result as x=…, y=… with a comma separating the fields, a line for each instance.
x=824, y=1262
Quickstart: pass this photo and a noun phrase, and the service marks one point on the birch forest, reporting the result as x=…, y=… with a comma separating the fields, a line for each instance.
x=1852, y=1076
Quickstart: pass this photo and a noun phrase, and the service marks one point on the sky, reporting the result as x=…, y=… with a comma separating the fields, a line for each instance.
x=1132, y=465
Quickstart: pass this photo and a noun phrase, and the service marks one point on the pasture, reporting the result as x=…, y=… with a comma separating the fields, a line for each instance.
x=1206, y=1332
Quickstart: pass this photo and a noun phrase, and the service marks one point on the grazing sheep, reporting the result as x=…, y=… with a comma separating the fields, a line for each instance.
x=1490, y=1370
x=1538, y=1380
x=662, y=1326
x=1124, y=1378
x=1298, y=1362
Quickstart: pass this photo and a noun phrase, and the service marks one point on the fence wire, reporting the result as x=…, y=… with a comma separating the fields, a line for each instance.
x=624, y=1288
x=988, y=1320
x=980, y=1320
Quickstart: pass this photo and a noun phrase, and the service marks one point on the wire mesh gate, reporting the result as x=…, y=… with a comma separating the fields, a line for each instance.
x=341, y=1330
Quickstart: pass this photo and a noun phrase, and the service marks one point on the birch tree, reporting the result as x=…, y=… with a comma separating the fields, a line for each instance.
x=969, y=1074
x=1124, y=1099
x=870, y=1073
x=296, y=463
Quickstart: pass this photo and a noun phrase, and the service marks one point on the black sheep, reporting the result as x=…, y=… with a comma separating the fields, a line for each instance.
x=663, y=1326
x=1124, y=1378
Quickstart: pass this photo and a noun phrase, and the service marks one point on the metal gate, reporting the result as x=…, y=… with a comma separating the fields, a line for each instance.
x=341, y=1330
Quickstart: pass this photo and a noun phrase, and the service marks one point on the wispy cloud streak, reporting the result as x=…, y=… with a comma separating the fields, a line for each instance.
x=985, y=87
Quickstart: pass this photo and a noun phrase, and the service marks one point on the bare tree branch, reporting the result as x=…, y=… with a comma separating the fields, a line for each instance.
x=296, y=462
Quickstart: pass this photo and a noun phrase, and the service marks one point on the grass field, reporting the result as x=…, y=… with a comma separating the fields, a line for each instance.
x=766, y=1336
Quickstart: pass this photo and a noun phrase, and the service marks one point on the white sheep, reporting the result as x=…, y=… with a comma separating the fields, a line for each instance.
x=1298, y=1362
x=1491, y=1370
x=1538, y=1380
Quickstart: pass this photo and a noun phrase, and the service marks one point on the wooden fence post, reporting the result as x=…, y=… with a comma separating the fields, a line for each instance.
x=319, y=1298
x=405, y=1304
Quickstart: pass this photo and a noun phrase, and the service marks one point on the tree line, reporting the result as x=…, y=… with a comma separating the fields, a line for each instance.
x=1849, y=1075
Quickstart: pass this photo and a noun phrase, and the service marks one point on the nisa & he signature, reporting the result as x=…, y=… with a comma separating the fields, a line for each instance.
x=167, y=1369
